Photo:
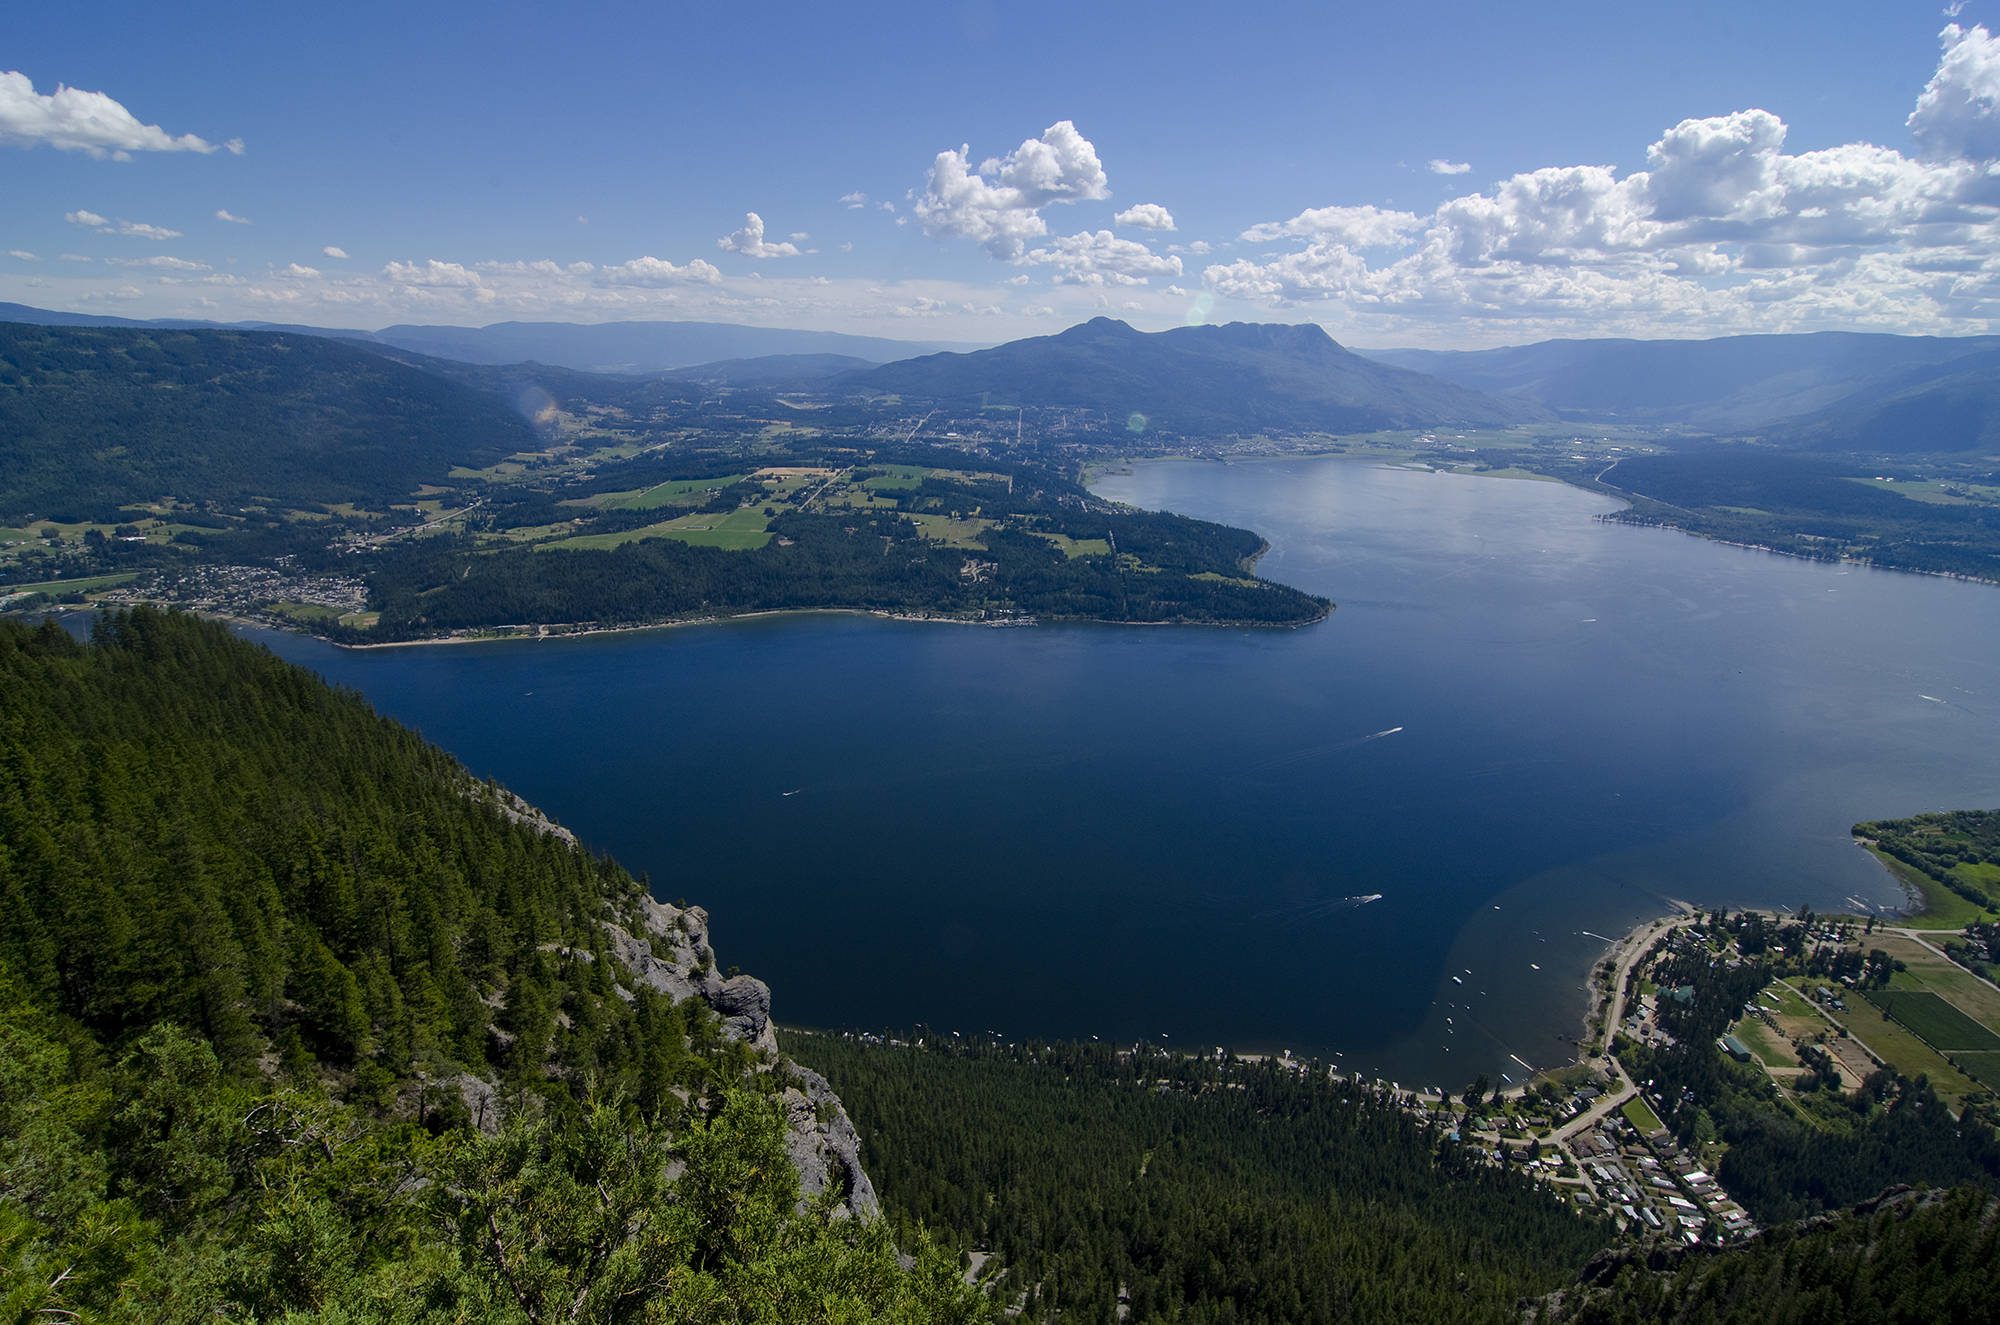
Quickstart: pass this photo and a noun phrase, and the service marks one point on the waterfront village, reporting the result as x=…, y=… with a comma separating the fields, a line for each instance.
x=1595, y=1131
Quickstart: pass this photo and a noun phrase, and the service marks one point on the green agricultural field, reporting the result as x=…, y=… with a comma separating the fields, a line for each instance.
x=739, y=530
x=1897, y=1046
x=896, y=478
x=89, y=584
x=674, y=492
x=1940, y=1025
x=1984, y=1067
x=1928, y=970
x=744, y=528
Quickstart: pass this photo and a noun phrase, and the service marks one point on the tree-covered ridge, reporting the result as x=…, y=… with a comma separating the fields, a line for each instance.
x=94, y=418
x=299, y=1021
x=1909, y=1257
x=1183, y=1189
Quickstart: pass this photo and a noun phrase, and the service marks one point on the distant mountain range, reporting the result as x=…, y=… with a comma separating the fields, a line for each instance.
x=603, y=347
x=640, y=347
x=1824, y=391
x=1828, y=390
x=1238, y=378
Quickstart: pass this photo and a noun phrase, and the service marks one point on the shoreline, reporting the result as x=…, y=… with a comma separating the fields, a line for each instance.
x=580, y=630
x=568, y=630
x=1620, y=952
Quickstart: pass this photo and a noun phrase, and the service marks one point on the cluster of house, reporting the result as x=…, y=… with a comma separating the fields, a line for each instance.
x=1650, y=1184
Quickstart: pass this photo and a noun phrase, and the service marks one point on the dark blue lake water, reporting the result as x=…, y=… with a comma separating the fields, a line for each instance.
x=1522, y=730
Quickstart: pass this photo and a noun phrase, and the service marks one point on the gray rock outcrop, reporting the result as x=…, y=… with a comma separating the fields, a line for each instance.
x=671, y=954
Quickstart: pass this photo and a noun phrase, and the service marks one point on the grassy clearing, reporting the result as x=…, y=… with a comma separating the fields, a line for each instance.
x=1078, y=547
x=305, y=613
x=896, y=478
x=953, y=533
x=1936, y=906
x=1979, y=873
x=1765, y=1046
x=1788, y=1001
x=88, y=584
x=1641, y=1116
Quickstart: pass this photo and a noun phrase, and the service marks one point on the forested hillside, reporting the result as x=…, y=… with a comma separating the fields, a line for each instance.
x=1909, y=1257
x=298, y=1020
x=1187, y=1191
x=93, y=418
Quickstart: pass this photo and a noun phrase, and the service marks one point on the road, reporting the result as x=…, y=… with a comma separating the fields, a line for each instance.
x=1636, y=947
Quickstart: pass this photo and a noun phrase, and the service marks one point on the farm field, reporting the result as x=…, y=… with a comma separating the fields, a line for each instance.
x=1898, y=1046
x=1937, y=1022
x=674, y=492
x=1925, y=969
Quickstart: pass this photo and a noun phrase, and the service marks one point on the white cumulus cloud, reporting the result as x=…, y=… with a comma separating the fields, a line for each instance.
x=853, y=201
x=73, y=120
x=1356, y=227
x=224, y=214
x=658, y=271
x=750, y=241
x=22, y=255
x=1958, y=112
x=335, y=251
x=432, y=274
x=999, y=205
x=1440, y=166
x=1102, y=258
x=1145, y=216
x=1723, y=230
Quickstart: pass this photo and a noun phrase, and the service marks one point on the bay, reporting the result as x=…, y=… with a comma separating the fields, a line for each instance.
x=1522, y=731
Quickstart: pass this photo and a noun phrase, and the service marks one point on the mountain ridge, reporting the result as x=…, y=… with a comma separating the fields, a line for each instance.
x=1725, y=384
x=1234, y=377
x=628, y=347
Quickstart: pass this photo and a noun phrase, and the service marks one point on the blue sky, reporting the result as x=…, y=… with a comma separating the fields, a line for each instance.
x=1454, y=176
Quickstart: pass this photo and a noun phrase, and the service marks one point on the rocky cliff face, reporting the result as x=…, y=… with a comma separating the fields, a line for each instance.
x=671, y=953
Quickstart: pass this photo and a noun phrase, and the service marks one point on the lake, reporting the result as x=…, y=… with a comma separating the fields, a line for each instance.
x=1520, y=732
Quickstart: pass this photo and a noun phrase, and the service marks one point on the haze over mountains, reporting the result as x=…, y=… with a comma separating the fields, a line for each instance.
x=601, y=347
x=1824, y=391
x=1242, y=377
x=1846, y=390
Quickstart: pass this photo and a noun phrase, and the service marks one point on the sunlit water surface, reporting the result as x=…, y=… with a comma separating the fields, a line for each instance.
x=1522, y=730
